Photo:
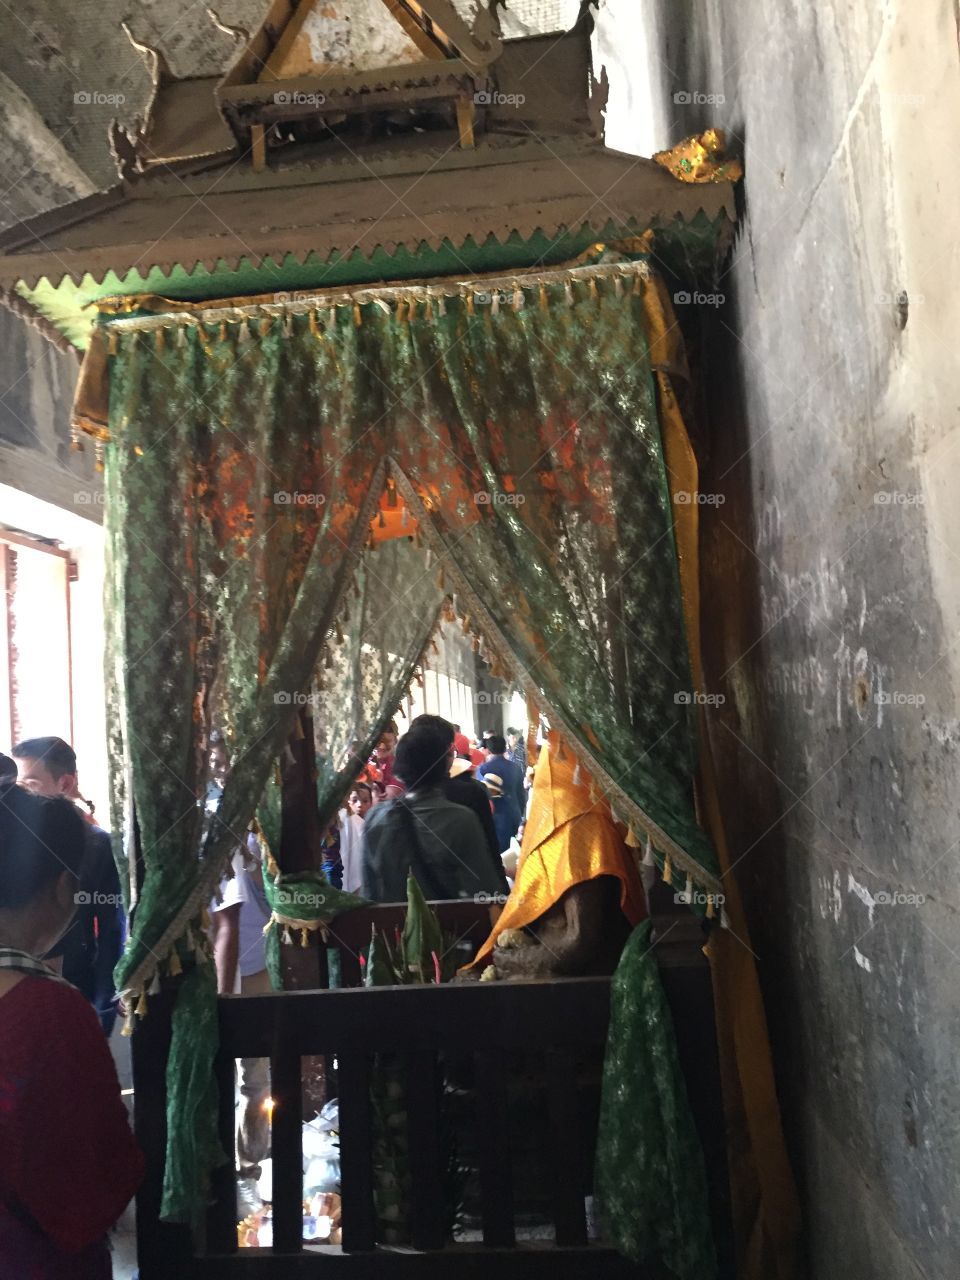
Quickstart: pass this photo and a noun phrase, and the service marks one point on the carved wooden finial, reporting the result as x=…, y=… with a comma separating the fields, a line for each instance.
x=123, y=148
x=486, y=22
x=157, y=64
x=240, y=34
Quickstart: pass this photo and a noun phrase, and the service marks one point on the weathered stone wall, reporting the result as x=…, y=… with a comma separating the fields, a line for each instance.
x=831, y=591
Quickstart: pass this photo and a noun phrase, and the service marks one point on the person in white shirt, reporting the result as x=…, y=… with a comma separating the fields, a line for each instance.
x=238, y=915
x=358, y=805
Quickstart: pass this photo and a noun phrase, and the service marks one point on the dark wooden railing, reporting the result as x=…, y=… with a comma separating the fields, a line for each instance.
x=551, y=1032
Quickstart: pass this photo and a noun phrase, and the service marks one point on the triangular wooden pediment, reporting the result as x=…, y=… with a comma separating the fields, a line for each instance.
x=330, y=36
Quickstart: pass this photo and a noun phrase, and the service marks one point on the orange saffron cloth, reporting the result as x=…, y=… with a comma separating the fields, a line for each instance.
x=568, y=839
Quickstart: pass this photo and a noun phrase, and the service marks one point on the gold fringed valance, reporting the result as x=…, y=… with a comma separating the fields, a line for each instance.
x=427, y=299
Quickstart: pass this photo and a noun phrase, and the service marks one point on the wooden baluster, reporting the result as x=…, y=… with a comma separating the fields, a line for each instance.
x=356, y=1152
x=222, y=1216
x=493, y=1132
x=287, y=1151
x=423, y=1143
x=565, y=1149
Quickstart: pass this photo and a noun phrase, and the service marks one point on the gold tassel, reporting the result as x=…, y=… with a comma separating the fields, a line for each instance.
x=517, y=297
x=637, y=284
x=688, y=890
x=98, y=455
x=141, y=1009
x=286, y=938
x=711, y=908
x=128, y=1025
x=223, y=330
x=174, y=967
x=470, y=304
x=543, y=296
x=495, y=303
x=154, y=988
x=568, y=293
x=617, y=287
x=76, y=444
x=243, y=333
x=593, y=289
x=304, y=937
x=442, y=305
x=160, y=341
x=428, y=309
x=357, y=315
x=314, y=327
x=630, y=839
x=181, y=335
x=399, y=315
x=441, y=581
x=667, y=870
x=112, y=343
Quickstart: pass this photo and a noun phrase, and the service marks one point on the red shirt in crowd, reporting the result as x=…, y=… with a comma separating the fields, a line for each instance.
x=68, y=1161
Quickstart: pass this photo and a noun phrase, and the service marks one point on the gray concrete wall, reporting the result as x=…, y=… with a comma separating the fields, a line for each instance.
x=832, y=591
x=36, y=392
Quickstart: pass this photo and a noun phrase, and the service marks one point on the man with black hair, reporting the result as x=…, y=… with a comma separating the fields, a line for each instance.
x=441, y=843
x=91, y=947
x=463, y=788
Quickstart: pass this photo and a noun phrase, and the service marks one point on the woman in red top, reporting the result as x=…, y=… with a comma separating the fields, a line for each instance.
x=68, y=1161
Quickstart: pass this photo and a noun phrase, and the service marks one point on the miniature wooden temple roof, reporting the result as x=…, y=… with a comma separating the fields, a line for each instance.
x=387, y=185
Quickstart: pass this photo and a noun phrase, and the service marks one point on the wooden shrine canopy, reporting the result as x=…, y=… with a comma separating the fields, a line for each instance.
x=285, y=177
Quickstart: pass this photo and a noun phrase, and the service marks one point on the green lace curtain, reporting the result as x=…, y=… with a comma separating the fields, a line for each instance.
x=650, y=1177
x=386, y=622
x=247, y=452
